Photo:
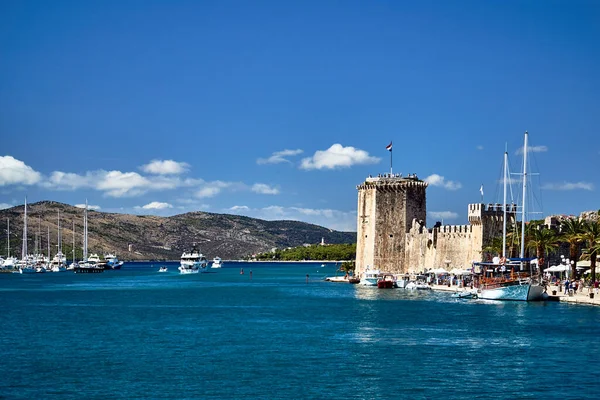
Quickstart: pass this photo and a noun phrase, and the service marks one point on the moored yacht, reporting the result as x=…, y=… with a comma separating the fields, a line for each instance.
x=59, y=262
x=112, y=262
x=193, y=262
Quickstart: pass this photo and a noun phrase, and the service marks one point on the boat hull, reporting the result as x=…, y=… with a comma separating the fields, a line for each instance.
x=183, y=270
x=524, y=292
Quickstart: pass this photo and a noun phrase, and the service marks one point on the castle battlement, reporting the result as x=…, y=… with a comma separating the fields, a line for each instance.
x=455, y=229
x=479, y=211
x=392, y=181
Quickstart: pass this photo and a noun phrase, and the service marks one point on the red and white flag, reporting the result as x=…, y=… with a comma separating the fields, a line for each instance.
x=389, y=147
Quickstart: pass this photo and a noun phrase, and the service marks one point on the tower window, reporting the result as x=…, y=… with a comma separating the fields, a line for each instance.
x=391, y=235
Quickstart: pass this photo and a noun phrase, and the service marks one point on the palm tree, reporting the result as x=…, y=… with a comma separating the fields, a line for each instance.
x=542, y=240
x=591, y=237
x=571, y=230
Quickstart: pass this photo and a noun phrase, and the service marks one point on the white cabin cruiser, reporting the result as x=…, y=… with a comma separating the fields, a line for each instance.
x=193, y=262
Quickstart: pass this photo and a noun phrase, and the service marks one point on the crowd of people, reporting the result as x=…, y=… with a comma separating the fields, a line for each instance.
x=574, y=286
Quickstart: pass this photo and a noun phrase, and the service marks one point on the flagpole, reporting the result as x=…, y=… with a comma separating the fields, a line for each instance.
x=391, y=150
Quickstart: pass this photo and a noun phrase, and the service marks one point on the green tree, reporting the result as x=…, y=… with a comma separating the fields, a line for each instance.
x=591, y=237
x=542, y=240
x=571, y=230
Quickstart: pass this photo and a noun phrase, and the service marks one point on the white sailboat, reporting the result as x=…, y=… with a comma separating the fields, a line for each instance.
x=74, y=263
x=59, y=261
x=506, y=280
x=9, y=262
x=25, y=265
x=87, y=266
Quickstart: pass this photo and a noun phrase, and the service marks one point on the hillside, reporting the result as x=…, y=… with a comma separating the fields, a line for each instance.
x=151, y=237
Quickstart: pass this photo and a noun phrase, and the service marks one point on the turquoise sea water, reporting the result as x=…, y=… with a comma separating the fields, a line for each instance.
x=137, y=333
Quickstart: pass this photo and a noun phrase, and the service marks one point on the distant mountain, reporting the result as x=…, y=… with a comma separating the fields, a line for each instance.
x=223, y=235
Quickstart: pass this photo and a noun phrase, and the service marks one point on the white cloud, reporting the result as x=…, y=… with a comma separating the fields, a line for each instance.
x=156, y=205
x=116, y=183
x=165, y=167
x=5, y=205
x=279, y=157
x=211, y=189
x=438, y=180
x=569, y=186
x=480, y=147
x=90, y=207
x=13, y=171
x=264, y=189
x=443, y=214
x=238, y=208
x=533, y=149
x=337, y=156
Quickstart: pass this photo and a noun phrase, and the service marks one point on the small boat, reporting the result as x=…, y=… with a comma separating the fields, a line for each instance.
x=369, y=277
x=216, y=263
x=464, y=295
x=418, y=284
x=386, y=281
x=163, y=269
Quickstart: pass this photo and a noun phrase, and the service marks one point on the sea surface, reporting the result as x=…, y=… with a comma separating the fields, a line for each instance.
x=282, y=332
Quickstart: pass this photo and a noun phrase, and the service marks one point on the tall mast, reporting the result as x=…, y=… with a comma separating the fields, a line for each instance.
x=59, y=247
x=504, y=207
x=73, y=241
x=48, y=244
x=85, y=233
x=24, y=245
x=524, y=191
x=8, y=237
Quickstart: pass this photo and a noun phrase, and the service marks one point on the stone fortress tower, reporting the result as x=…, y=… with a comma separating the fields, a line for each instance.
x=387, y=207
x=392, y=235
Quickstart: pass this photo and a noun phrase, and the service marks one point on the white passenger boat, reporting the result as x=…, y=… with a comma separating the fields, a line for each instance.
x=193, y=262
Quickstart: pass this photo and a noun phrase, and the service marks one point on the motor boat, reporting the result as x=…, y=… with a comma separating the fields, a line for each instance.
x=216, y=263
x=163, y=269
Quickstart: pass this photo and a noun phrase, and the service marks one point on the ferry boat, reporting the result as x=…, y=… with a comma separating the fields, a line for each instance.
x=193, y=262
x=217, y=263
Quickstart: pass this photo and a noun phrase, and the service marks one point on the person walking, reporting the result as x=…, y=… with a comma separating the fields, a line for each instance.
x=567, y=286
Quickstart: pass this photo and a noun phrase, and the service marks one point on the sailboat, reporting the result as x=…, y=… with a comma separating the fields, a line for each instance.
x=505, y=279
x=74, y=263
x=25, y=265
x=59, y=261
x=9, y=262
x=86, y=266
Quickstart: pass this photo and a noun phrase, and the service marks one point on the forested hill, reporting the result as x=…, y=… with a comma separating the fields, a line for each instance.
x=223, y=235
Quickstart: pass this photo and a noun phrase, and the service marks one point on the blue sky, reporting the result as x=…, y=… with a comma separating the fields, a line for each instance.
x=277, y=110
